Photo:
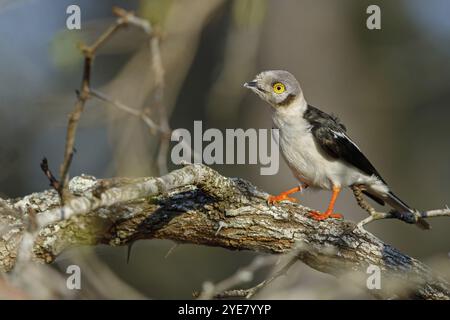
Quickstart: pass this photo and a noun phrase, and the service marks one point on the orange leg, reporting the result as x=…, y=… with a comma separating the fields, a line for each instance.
x=284, y=195
x=329, y=213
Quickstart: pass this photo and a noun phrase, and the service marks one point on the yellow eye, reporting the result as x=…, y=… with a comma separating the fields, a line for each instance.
x=279, y=87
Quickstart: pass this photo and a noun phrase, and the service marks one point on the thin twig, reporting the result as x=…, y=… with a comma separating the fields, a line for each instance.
x=243, y=275
x=388, y=215
x=54, y=183
x=124, y=18
x=435, y=213
x=158, y=71
x=250, y=292
x=137, y=113
x=128, y=17
x=154, y=128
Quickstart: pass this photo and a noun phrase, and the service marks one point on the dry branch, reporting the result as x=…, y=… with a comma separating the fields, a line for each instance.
x=189, y=205
x=124, y=18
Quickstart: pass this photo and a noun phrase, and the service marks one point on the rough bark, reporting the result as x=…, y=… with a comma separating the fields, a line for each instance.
x=197, y=205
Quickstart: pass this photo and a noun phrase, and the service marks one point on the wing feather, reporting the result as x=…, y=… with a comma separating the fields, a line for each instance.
x=331, y=136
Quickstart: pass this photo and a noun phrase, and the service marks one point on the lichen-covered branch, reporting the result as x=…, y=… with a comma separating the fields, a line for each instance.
x=197, y=205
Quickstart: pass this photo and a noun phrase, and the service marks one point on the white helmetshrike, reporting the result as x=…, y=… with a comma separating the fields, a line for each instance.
x=318, y=150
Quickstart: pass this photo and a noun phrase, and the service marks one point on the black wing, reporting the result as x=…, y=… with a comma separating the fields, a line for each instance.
x=331, y=135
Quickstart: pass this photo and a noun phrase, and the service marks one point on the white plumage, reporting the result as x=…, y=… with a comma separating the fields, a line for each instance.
x=317, y=149
x=307, y=160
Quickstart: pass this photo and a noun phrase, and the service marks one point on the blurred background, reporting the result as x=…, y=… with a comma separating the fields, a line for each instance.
x=391, y=87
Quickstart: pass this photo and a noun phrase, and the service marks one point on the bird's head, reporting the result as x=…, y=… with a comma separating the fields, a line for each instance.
x=277, y=87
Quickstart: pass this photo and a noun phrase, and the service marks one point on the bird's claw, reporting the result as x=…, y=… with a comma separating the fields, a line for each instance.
x=271, y=200
x=319, y=216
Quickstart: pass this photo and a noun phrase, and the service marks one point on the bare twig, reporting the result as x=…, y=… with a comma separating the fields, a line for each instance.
x=376, y=215
x=388, y=215
x=436, y=213
x=154, y=127
x=128, y=17
x=243, y=275
x=54, y=183
x=137, y=113
x=124, y=18
x=158, y=71
x=250, y=292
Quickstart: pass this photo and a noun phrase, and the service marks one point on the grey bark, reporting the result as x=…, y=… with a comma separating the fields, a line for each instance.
x=197, y=205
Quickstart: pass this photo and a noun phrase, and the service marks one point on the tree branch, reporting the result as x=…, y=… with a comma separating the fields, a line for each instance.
x=124, y=18
x=197, y=205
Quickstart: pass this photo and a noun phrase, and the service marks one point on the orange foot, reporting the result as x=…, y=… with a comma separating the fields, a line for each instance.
x=282, y=196
x=319, y=216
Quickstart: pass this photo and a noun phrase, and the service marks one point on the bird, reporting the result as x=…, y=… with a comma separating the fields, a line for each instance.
x=318, y=149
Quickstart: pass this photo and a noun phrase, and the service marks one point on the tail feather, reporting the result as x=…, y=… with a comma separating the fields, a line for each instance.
x=374, y=197
x=405, y=212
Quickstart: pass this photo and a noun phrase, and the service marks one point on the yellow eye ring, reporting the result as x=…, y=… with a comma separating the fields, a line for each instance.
x=278, y=87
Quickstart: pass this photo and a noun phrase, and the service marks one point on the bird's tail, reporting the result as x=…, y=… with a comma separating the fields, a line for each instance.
x=405, y=212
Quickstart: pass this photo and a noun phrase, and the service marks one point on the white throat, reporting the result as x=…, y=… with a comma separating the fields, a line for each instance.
x=287, y=115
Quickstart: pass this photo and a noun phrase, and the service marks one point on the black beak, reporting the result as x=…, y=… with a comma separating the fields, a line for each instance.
x=250, y=84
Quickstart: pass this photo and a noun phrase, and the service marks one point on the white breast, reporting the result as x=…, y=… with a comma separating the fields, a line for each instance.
x=308, y=162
